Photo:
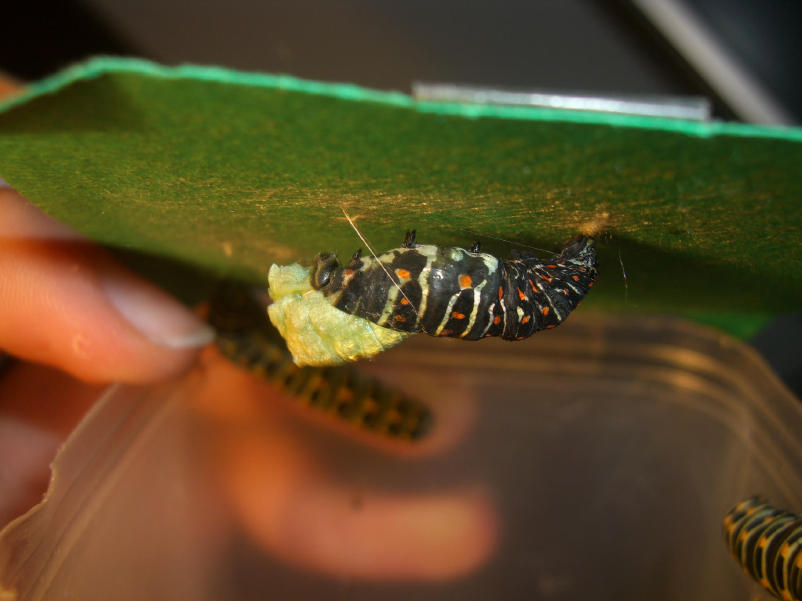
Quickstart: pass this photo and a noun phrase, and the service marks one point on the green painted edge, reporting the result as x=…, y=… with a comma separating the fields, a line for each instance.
x=102, y=65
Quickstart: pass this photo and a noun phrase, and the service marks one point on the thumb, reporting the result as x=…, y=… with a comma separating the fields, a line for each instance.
x=65, y=302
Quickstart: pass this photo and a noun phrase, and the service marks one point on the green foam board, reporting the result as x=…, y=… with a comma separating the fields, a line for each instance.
x=228, y=172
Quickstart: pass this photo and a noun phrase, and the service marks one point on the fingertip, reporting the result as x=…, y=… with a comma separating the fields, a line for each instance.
x=419, y=537
x=65, y=302
x=153, y=313
x=8, y=86
x=60, y=315
x=129, y=330
x=370, y=536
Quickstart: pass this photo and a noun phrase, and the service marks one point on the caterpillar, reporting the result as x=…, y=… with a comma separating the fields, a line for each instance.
x=767, y=543
x=457, y=292
x=330, y=314
x=245, y=337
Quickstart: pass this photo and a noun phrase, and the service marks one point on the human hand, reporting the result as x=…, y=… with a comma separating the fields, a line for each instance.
x=303, y=494
x=75, y=316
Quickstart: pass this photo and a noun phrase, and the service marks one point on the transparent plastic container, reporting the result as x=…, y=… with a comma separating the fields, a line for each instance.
x=595, y=461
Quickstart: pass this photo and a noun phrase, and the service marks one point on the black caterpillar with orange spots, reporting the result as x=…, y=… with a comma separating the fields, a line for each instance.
x=767, y=542
x=246, y=337
x=457, y=292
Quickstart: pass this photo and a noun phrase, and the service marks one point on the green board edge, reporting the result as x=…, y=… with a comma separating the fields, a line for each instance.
x=101, y=65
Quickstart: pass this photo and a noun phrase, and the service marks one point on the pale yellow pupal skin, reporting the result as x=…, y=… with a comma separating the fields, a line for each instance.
x=316, y=333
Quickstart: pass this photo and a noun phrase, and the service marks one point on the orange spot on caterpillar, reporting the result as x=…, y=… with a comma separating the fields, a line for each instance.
x=488, y=335
x=404, y=301
x=551, y=266
x=399, y=318
x=500, y=293
x=575, y=278
x=534, y=288
x=525, y=319
x=348, y=272
x=521, y=294
x=545, y=311
x=497, y=320
x=543, y=277
x=402, y=273
x=519, y=338
x=446, y=333
x=465, y=281
x=550, y=326
x=590, y=284
x=456, y=315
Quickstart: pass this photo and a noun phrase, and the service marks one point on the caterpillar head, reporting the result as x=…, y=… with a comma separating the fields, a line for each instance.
x=324, y=268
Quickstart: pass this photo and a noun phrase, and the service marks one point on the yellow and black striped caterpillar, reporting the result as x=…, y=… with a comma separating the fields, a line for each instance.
x=245, y=336
x=767, y=543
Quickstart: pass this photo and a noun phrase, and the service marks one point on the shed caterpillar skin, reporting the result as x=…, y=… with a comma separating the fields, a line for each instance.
x=457, y=292
x=245, y=337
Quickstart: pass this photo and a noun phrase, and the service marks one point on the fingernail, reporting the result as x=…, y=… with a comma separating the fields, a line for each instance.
x=156, y=315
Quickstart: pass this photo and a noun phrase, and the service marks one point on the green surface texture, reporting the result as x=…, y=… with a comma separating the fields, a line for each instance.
x=229, y=172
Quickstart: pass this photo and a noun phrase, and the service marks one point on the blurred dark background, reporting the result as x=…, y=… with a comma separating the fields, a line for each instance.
x=736, y=52
x=744, y=55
